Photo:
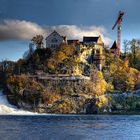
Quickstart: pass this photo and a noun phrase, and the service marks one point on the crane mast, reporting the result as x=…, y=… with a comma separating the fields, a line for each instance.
x=118, y=23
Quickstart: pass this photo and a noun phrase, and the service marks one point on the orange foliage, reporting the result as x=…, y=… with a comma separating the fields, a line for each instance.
x=124, y=77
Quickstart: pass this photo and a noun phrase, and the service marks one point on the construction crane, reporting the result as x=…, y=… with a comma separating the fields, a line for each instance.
x=118, y=23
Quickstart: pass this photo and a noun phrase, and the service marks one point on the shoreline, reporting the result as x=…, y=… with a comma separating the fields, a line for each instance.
x=68, y=115
x=114, y=112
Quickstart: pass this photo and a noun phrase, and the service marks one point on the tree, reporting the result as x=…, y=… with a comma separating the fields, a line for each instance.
x=60, y=56
x=38, y=40
x=124, y=77
x=126, y=47
x=133, y=50
x=134, y=55
x=99, y=83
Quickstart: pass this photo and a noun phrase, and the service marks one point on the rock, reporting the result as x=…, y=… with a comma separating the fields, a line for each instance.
x=21, y=104
x=91, y=107
x=104, y=110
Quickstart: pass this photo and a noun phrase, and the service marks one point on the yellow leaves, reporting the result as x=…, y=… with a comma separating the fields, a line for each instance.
x=15, y=80
x=10, y=80
x=77, y=59
x=52, y=64
x=110, y=87
x=64, y=52
x=119, y=65
x=64, y=107
x=100, y=75
x=65, y=55
x=123, y=76
x=126, y=63
x=134, y=72
x=101, y=87
x=113, y=68
x=77, y=70
x=50, y=98
x=102, y=101
x=60, y=56
x=68, y=50
x=19, y=82
x=99, y=82
x=23, y=82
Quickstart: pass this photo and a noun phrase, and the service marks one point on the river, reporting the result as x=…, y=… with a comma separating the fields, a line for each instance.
x=17, y=124
x=70, y=127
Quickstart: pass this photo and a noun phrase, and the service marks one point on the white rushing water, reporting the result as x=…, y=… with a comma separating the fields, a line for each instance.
x=8, y=109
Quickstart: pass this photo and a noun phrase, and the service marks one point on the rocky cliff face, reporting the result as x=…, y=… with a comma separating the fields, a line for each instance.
x=58, y=104
x=59, y=95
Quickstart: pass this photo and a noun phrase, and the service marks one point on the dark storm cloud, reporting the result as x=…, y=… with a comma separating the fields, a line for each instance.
x=15, y=29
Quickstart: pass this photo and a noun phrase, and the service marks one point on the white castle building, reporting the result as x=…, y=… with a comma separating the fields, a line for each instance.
x=54, y=40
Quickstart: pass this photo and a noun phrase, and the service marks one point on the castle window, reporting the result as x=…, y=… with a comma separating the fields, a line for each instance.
x=54, y=40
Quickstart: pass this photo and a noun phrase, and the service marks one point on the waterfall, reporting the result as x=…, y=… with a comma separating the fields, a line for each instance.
x=8, y=109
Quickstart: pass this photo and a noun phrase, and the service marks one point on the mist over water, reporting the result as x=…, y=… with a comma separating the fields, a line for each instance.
x=8, y=109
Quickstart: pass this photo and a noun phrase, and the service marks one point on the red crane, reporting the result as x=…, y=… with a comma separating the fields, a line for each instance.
x=118, y=23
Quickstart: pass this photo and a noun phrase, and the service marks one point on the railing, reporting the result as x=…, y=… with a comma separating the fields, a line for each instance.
x=58, y=77
x=64, y=77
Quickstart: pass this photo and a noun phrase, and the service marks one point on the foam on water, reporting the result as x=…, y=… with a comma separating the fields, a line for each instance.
x=8, y=109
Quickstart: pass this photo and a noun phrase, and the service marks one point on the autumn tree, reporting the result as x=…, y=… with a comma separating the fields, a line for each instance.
x=38, y=40
x=124, y=77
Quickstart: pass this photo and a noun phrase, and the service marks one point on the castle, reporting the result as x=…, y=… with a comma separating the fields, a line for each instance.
x=90, y=49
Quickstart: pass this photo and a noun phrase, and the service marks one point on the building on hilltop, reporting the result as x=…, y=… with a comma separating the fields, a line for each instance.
x=91, y=49
x=96, y=47
x=73, y=41
x=54, y=40
x=114, y=47
x=90, y=40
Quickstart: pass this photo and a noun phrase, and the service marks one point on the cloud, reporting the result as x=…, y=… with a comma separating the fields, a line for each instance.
x=25, y=30
x=16, y=29
x=75, y=32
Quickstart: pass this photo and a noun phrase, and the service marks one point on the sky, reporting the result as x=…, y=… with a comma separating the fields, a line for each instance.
x=20, y=20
